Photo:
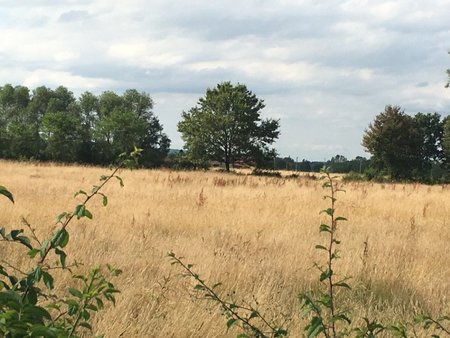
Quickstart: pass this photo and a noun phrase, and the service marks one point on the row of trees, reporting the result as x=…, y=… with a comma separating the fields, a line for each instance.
x=225, y=126
x=46, y=124
x=337, y=164
x=409, y=147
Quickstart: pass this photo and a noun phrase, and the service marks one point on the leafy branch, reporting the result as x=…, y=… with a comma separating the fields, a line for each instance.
x=322, y=306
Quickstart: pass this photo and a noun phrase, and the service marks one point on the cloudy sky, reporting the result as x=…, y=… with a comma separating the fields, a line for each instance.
x=324, y=68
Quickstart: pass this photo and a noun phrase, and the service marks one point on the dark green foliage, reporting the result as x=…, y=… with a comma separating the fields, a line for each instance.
x=446, y=141
x=226, y=126
x=395, y=143
x=54, y=125
x=405, y=147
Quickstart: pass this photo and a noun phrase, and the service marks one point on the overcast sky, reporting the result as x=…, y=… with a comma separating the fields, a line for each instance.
x=324, y=68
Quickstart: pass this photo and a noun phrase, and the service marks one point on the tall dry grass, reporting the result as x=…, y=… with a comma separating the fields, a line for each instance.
x=256, y=235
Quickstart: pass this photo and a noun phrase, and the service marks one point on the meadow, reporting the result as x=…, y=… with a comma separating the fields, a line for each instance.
x=255, y=235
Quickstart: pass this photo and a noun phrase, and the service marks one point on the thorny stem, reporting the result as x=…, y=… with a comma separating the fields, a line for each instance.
x=24, y=221
x=80, y=311
x=330, y=255
x=226, y=306
x=440, y=326
x=72, y=215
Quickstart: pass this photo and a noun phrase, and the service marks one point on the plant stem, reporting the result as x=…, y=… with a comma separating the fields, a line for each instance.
x=72, y=215
x=330, y=256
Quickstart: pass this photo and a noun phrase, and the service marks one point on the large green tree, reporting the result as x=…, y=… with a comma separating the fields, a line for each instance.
x=395, y=142
x=128, y=120
x=226, y=126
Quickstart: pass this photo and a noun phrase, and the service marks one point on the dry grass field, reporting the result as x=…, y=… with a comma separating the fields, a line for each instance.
x=256, y=235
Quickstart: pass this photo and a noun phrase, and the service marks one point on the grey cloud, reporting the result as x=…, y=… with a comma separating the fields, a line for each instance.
x=74, y=15
x=422, y=84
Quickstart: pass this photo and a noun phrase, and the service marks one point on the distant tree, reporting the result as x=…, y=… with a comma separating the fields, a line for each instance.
x=304, y=165
x=127, y=121
x=446, y=141
x=431, y=133
x=19, y=132
x=155, y=143
x=54, y=125
x=89, y=106
x=395, y=143
x=226, y=126
x=62, y=136
x=339, y=164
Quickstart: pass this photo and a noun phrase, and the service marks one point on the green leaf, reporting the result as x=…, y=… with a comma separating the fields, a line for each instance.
x=321, y=247
x=254, y=314
x=100, y=304
x=326, y=274
x=314, y=327
x=25, y=241
x=62, y=257
x=337, y=219
x=230, y=323
x=341, y=317
x=42, y=331
x=81, y=211
x=75, y=293
x=120, y=180
x=325, y=228
x=6, y=193
x=61, y=216
x=61, y=238
x=80, y=192
x=87, y=213
x=33, y=252
x=48, y=280
x=36, y=275
x=32, y=297
x=85, y=325
x=342, y=285
x=105, y=200
x=199, y=287
x=329, y=211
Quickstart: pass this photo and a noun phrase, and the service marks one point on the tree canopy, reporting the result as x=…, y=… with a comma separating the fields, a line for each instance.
x=404, y=146
x=54, y=125
x=226, y=126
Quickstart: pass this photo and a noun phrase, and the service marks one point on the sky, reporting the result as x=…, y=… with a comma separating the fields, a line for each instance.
x=324, y=68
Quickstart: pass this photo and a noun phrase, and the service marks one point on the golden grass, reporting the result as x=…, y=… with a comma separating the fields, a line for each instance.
x=256, y=235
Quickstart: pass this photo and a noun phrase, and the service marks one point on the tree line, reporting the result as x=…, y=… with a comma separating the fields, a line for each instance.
x=409, y=147
x=225, y=126
x=46, y=124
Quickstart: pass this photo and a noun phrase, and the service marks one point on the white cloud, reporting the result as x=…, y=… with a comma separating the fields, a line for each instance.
x=57, y=78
